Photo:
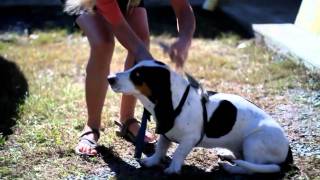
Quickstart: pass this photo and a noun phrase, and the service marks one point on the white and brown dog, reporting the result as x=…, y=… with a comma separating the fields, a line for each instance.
x=188, y=115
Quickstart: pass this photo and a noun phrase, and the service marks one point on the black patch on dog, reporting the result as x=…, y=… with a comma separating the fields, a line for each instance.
x=222, y=120
x=158, y=81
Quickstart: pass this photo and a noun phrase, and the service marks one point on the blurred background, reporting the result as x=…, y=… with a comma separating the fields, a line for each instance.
x=23, y=16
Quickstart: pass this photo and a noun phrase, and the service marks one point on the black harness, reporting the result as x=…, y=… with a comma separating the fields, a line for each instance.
x=146, y=116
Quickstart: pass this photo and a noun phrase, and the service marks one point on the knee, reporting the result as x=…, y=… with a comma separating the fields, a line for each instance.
x=100, y=57
x=102, y=47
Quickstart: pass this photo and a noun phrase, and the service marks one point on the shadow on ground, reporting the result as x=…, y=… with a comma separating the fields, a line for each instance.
x=13, y=90
x=125, y=168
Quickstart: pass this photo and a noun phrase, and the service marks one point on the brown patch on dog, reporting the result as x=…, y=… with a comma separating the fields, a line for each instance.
x=144, y=89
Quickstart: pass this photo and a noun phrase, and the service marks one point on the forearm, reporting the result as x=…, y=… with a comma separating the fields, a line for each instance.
x=130, y=41
x=111, y=12
x=185, y=23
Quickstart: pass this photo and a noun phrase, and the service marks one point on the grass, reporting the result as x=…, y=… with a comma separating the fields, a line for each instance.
x=54, y=112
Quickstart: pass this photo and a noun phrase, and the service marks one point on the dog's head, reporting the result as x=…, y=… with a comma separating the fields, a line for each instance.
x=153, y=80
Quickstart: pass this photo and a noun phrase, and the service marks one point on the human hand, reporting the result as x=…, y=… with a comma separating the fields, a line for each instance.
x=178, y=52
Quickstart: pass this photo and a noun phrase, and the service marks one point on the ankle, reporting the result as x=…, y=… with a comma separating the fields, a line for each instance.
x=93, y=125
x=126, y=118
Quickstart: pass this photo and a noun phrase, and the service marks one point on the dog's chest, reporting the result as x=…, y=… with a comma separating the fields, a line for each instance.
x=187, y=126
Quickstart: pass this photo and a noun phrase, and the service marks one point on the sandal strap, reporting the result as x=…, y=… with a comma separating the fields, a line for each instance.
x=93, y=131
x=84, y=140
x=124, y=127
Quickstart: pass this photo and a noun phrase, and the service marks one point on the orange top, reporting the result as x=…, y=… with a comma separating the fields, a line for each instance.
x=110, y=10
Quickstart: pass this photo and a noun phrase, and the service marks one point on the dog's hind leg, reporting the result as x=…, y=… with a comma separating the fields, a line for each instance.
x=263, y=151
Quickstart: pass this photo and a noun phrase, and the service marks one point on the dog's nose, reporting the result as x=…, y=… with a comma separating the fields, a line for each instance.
x=111, y=80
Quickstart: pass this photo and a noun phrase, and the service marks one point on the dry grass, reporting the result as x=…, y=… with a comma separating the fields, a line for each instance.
x=54, y=112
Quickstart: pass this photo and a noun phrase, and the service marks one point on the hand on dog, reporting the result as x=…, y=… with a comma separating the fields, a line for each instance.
x=178, y=52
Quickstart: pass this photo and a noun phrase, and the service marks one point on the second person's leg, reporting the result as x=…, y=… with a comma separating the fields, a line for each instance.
x=139, y=23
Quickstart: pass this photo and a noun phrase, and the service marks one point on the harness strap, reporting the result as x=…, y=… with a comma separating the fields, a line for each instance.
x=141, y=134
x=178, y=110
x=204, y=117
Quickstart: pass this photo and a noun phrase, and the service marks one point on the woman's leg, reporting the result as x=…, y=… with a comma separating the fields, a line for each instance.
x=101, y=42
x=139, y=23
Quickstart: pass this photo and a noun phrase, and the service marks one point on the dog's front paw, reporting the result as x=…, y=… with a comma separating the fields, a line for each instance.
x=173, y=169
x=150, y=161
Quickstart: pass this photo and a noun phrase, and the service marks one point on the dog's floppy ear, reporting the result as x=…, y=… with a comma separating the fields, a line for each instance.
x=160, y=85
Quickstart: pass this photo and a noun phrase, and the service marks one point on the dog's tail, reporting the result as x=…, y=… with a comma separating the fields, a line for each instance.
x=258, y=168
x=74, y=7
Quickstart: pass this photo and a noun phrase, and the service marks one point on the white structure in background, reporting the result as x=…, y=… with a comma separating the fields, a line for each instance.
x=309, y=16
x=300, y=40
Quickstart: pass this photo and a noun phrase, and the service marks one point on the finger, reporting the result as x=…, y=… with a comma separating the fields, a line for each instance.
x=165, y=47
x=173, y=55
x=179, y=61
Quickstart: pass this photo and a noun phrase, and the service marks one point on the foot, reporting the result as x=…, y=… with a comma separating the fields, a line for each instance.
x=134, y=129
x=129, y=130
x=151, y=161
x=88, y=142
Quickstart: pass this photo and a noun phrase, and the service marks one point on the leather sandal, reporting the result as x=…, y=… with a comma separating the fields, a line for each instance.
x=125, y=133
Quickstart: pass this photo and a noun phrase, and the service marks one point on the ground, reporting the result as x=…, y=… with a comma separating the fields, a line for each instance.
x=48, y=120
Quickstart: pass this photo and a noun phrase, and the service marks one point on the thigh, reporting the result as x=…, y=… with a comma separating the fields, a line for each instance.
x=264, y=147
x=96, y=28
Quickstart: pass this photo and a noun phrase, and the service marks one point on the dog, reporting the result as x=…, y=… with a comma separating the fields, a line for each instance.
x=249, y=140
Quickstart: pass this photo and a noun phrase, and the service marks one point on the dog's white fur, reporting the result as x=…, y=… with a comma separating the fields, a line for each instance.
x=256, y=143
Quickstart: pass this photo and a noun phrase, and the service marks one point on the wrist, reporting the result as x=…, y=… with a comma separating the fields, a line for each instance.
x=143, y=54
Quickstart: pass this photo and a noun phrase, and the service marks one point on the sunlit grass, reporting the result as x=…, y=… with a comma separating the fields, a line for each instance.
x=54, y=112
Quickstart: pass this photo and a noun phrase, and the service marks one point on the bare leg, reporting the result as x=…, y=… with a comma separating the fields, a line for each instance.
x=139, y=23
x=101, y=49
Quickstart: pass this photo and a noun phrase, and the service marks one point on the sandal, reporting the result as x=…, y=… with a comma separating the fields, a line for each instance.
x=91, y=143
x=126, y=134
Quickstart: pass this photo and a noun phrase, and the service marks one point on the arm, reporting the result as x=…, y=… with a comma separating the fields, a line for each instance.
x=111, y=12
x=186, y=27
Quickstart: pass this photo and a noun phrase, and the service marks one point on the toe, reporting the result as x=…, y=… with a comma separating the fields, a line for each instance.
x=92, y=151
